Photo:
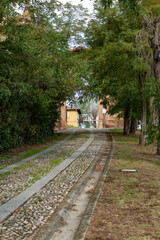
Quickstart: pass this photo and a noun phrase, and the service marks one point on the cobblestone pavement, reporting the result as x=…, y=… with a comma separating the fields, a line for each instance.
x=26, y=221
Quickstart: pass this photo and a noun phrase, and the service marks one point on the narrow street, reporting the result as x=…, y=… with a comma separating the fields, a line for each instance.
x=62, y=189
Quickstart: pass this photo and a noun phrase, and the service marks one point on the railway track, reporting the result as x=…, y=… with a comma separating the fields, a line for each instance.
x=40, y=214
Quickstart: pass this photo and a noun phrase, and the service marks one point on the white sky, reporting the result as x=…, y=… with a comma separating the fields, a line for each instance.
x=86, y=3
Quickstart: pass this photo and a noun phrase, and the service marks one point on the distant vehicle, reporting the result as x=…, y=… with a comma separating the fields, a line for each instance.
x=86, y=125
x=139, y=125
x=82, y=125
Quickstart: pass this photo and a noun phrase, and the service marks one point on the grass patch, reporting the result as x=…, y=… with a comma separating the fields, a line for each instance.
x=61, y=157
x=70, y=127
x=22, y=166
x=38, y=174
x=1, y=158
x=129, y=204
x=59, y=136
x=4, y=175
x=116, y=130
x=84, y=136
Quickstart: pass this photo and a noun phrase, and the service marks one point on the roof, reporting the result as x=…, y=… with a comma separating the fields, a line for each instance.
x=26, y=16
x=74, y=109
x=78, y=49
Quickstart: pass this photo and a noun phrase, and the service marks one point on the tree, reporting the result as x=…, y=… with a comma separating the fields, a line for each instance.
x=89, y=111
x=35, y=70
x=111, y=36
x=119, y=66
x=149, y=45
x=153, y=26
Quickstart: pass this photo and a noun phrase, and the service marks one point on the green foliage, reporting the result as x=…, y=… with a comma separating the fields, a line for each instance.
x=35, y=70
x=151, y=7
x=153, y=134
x=131, y=4
x=106, y=3
x=112, y=60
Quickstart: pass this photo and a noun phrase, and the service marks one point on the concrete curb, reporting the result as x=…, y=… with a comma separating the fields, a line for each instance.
x=11, y=167
x=9, y=207
x=83, y=226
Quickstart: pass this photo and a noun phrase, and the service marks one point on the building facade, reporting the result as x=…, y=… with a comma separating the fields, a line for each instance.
x=73, y=116
x=106, y=120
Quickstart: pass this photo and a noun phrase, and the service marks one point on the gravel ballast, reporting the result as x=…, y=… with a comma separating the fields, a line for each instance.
x=25, y=175
x=26, y=221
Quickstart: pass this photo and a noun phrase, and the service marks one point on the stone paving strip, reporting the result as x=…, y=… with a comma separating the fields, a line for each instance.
x=17, y=180
x=12, y=166
x=26, y=221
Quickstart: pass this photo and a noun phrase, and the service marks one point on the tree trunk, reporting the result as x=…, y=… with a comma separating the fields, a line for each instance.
x=59, y=119
x=152, y=110
x=158, y=141
x=156, y=67
x=157, y=76
x=158, y=149
x=95, y=124
x=133, y=127
x=152, y=119
x=142, y=138
x=153, y=25
x=104, y=120
x=126, y=122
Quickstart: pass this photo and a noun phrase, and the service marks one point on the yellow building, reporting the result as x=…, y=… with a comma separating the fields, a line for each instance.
x=73, y=116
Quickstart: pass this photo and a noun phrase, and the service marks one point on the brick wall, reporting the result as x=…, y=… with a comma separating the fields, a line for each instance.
x=62, y=122
x=110, y=121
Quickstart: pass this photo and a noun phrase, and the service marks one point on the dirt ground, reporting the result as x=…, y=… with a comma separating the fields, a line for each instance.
x=129, y=204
